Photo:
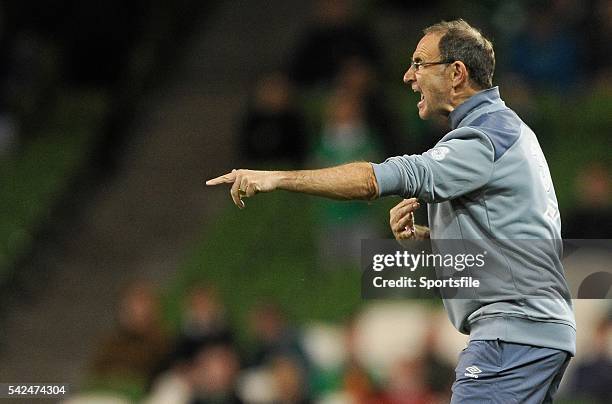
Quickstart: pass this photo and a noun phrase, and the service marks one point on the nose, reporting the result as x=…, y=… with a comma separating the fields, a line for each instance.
x=409, y=75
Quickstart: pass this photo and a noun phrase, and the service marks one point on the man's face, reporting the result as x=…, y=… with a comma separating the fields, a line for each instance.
x=432, y=81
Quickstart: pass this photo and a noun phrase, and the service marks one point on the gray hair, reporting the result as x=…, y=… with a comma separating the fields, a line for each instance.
x=462, y=42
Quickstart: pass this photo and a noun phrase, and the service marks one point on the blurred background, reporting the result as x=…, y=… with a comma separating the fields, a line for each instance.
x=122, y=275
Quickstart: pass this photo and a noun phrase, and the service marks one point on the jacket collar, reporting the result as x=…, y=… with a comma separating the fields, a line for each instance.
x=477, y=101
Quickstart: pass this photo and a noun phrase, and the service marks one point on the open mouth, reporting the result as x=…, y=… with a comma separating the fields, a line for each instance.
x=421, y=103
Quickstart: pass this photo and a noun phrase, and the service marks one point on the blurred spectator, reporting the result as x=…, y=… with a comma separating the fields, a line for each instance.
x=134, y=350
x=335, y=37
x=27, y=87
x=358, y=386
x=599, y=42
x=31, y=74
x=357, y=78
x=439, y=374
x=592, y=217
x=345, y=137
x=214, y=374
x=599, y=39
x=273, y=128
x=406, y=383
x=203, y=323
x=274, y=337
x=546, y=53
x=289, y=381
x=209, y=377
x=351, y=381
x=593, y=377
x=172, y=386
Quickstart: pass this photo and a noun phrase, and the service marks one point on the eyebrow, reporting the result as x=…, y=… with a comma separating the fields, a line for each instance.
x=416, y=59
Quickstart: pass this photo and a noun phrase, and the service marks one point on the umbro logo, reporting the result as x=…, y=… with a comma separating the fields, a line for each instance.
x=472, y=371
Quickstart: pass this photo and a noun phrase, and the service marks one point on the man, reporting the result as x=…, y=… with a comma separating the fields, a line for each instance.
x=485, y=179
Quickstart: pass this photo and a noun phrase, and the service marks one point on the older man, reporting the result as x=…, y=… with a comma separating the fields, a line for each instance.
x=485, y=179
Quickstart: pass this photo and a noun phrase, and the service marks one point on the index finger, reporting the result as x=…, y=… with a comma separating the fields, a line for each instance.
x=223, y=179
x=404, y=210
x=405, y=202
x=408, y=201
x=407, y=206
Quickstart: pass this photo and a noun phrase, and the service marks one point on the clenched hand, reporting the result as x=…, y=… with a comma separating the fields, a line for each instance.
x=401, y=220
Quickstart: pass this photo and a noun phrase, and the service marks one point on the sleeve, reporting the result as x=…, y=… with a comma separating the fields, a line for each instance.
x=460, y=163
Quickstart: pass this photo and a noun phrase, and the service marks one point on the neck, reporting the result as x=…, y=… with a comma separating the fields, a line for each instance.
x=460, y=96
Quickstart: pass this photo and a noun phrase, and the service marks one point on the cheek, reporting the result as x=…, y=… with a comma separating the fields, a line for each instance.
x=428, y=85
x=436, y=91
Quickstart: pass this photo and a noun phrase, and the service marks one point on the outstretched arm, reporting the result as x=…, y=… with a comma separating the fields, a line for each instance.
x=345, y=182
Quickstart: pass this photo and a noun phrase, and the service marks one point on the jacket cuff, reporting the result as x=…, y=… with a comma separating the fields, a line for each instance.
x=388, y=180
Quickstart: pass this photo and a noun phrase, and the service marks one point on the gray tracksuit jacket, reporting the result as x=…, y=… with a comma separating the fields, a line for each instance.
x=488, y=179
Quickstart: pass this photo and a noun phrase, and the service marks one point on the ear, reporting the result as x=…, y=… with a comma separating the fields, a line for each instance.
x=459, y=74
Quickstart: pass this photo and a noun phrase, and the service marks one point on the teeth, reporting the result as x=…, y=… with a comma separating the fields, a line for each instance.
x=422, y=97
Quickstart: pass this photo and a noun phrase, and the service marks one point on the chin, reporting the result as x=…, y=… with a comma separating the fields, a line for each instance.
x=424, y=114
